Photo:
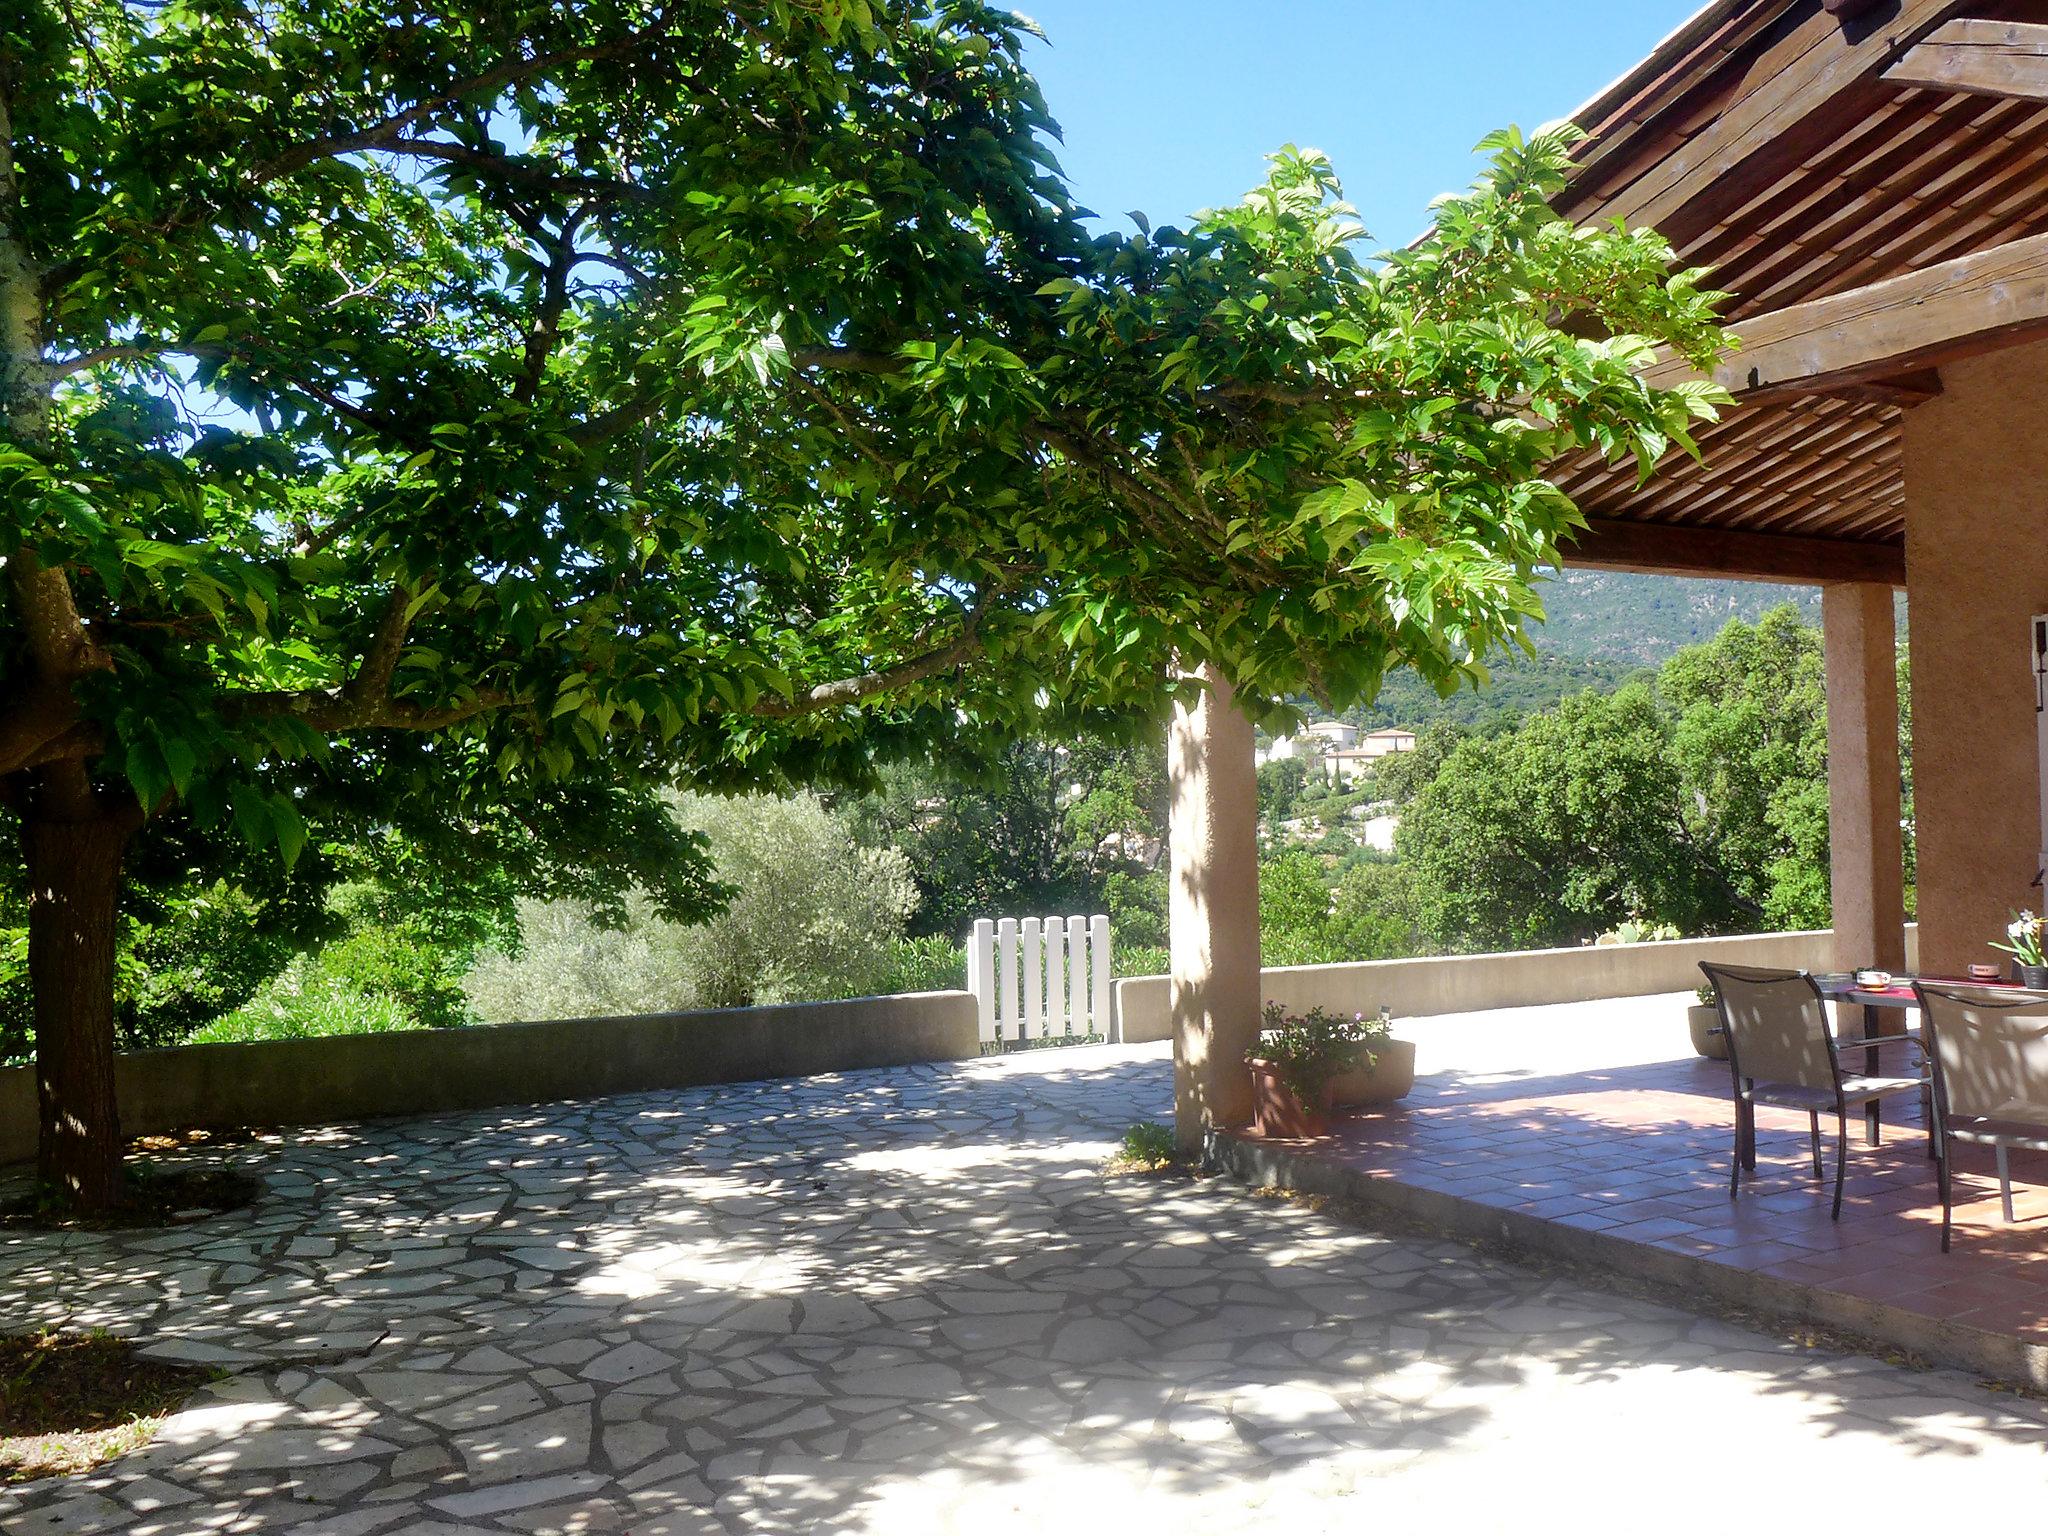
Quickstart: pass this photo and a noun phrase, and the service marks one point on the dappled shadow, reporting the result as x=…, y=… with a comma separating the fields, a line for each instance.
x=892, y=1301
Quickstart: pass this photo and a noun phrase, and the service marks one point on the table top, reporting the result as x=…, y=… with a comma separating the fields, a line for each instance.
x=1841, y=987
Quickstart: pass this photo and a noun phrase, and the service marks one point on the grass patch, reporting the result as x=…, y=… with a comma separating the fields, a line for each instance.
x=155, y=1197
x=69, y=1401
x=1148, y=1148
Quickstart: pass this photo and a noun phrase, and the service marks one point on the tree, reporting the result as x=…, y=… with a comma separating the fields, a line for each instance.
x=1751, y=741
x=590, y=398
x=1569, y=826
x=1042, y=826
x=813, y=914
x=1280, y=786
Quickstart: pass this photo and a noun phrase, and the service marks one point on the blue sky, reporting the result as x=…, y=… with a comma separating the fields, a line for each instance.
x=1170, y=105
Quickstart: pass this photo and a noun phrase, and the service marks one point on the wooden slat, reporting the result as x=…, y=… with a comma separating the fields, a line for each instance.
x=1987, y=58
x=1616, y=544
x=1810, y=69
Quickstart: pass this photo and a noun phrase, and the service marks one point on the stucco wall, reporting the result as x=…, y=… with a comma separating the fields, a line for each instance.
x=1473, y=983
x=354, y=1077
x=1976, y=460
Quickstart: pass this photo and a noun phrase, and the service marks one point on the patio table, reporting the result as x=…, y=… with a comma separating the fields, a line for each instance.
x=1840, y=987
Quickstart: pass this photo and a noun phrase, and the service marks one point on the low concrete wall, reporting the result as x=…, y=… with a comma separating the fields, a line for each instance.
x=355, y=1077
x=1474, y=983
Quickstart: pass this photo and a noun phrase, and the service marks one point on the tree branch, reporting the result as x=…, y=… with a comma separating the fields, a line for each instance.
x=297, y=157
x=851, y=690
x=57, y=635
x=844, y=360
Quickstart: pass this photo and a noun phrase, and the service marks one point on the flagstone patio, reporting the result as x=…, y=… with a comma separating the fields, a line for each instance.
x=910, y=1301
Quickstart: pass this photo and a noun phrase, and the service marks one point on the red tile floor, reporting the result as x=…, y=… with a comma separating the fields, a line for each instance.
x=1597, y=1116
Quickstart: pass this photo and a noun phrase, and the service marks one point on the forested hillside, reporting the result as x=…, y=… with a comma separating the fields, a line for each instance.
x=1608, y=616
x=1604, y=628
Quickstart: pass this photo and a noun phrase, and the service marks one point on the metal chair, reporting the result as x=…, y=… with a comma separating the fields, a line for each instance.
x=1990, y=1058
x=1780, y=1051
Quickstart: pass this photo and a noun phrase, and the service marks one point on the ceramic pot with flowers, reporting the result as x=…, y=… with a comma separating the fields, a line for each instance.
x=1307, y=1063
x=2023, y=942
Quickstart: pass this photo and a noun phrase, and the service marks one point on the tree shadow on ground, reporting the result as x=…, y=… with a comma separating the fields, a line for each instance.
x=888, y=1301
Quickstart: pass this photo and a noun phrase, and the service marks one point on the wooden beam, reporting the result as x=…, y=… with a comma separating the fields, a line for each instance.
x=1986, y=58
x=1904, y=390
x=1887, y=330
x=1666, y=549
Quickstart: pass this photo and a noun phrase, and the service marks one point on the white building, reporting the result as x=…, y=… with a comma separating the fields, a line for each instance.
x=1349, y=763
x=1311, y=742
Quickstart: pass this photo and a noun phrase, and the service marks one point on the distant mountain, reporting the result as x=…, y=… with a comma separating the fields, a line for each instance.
x=1605, y=627
x=1519, y=687
x=1613, y=617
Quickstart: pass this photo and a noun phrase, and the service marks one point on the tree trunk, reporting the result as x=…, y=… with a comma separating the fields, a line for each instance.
x=74, y=870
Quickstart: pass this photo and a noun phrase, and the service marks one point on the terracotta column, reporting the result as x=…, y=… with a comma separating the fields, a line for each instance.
x=1214, y=842
x=1976, y=462
x=1867, y=853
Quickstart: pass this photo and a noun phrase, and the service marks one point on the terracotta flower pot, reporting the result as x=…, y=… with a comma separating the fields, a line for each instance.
x=1700, y=1019
x=1390, y=1077
x=1277, y=1109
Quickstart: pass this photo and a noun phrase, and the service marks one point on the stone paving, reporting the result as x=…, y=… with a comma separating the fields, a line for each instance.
x=910, y=1301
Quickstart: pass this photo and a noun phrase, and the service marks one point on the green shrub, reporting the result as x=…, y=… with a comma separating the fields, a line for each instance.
x=570, y=966
x=814, y=915
x=930, y=963
x=1140, y=959
x=1148, y=1142
x=304, y=1001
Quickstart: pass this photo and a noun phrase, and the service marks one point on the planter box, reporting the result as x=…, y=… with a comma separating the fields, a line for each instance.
x=1278, y=1111
x=1390, y=1077
x=1699, y=1020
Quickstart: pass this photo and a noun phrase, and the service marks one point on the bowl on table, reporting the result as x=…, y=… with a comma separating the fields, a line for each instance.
x=1982, y=972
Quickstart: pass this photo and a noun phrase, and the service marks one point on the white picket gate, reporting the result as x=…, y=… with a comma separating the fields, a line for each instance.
x=1040, y=978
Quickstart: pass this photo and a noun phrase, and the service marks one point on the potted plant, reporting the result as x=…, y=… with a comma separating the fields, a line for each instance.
x=1381, y=1069
x=1301, y=1059
x=2025, y=933
x=1703, y=1022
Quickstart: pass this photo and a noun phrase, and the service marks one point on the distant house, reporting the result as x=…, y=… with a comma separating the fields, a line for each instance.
x=1349, y=763
x=1312, y=741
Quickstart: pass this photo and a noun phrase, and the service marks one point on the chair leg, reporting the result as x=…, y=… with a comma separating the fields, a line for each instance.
x=1735, y=1172
x=1870, y=1122
x=1813, y=1139
x=1749, y=1135
x=2004, y=1183
x=1941, y=1174
x=1841, y=1159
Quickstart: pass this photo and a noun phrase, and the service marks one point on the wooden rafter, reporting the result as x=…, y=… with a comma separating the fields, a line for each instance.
x=1622, y=544
x=1750, y=136
x=1988, y=58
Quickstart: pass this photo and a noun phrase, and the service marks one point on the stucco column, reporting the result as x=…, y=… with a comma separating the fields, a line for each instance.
x=1866, y=850
x=1213, y=838
x=1976, y=463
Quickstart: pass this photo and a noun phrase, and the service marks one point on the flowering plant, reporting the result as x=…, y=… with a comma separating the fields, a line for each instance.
x=2025, y=932
x=1311, y=1048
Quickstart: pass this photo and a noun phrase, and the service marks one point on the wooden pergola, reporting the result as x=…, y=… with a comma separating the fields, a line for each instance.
x=1868, y=179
